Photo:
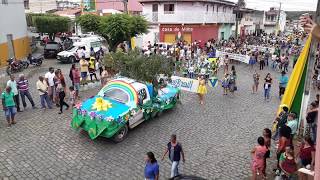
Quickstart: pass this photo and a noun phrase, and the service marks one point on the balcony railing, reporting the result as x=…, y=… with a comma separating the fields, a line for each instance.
x=185, y=17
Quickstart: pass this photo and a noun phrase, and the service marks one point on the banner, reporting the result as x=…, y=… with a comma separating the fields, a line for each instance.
x=237, y=57
x=89, y=5
x=185, y=84
x=261, y=48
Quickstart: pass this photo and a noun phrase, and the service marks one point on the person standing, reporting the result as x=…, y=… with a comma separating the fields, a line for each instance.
x=267, y=86
x=76, y=79
x=261, y=62
x=23, y=86
x=73, y=66
x=92, y=69
x=42, y=87
x=283, y=81
x=226, y=62
x=104, y=76
x=175, y=151
x=9, y=107
x=225, y=84
x=232, y=80
x=202, y=89
x=84, y=67
x=267, y=55
x=255, y=85
x=258, y=156
x=49, y=76
x=151, y=170
x=13, y=84
x=61, y=95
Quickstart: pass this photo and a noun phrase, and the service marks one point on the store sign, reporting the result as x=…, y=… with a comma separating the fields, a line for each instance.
x=185, y=84
x=237, y=57
x=176, y=29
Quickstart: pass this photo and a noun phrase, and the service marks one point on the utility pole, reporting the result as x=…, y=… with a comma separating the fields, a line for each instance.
x=278, y=19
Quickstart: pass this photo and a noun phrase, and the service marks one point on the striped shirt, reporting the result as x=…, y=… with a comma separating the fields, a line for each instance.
x=23, y=85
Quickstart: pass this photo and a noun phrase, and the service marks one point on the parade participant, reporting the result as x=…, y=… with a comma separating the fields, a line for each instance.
x=49, y=76
x=72, y=95
x=267, y=55
x=104, y=76
x=151, y=170
x=252, y=60
x=9, y=107
x=23, y=86
x=283, y=81
x=258, y=156
x=175, y=151
x=226, y=62
x=13, y=84
x=191, y=71
x=202, y=89
x=61, y=95
x=225, y=84
x=267, y=86
x=84, y=70
x=92, y=69
x=261, y=62
x=42, y=87
x=255, y=85
x=76, y=79
x=232, y=80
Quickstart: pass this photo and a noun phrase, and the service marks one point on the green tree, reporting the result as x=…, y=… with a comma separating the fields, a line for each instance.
x=51, y=24
x=89, y=22
x=114, y=28
x=138, y=66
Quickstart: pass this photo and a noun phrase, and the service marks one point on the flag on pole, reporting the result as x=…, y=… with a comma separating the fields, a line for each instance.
x=213, y=82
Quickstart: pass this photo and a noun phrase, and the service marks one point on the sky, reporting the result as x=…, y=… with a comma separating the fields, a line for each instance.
x=287, y=5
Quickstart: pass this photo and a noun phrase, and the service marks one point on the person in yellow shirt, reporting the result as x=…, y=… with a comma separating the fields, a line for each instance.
x=92, y=68
x=84, y=67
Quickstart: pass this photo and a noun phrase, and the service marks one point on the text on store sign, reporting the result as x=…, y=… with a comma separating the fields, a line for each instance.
x=177, y=29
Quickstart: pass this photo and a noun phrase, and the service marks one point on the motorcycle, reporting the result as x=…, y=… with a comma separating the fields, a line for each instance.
x=14, y=67
x=36, y=61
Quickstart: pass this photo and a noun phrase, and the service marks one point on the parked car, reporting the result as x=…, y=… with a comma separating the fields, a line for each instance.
x=51, y=49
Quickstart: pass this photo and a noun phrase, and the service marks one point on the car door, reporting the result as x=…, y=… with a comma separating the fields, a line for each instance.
x=142, y=97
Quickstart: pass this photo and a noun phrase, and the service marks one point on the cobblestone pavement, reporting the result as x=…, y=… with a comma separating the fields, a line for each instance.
x=217, y=138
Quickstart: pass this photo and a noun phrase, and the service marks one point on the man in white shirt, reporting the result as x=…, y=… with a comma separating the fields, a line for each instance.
x=13, y=84
x=42, y=87
x=49, y=76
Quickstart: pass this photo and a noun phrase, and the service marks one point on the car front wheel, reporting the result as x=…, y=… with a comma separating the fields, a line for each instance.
x=121, y=134
x=72, y=59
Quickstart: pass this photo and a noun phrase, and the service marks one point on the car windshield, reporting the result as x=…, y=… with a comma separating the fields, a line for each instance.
x=118, y=95
x=51, y=46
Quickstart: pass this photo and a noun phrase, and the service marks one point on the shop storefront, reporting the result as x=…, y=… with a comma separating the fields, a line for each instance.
x=172, y=33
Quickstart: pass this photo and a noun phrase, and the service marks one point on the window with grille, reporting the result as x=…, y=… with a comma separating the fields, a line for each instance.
x=168, y=8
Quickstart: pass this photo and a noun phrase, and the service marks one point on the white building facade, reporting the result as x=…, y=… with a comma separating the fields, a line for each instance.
x=272, y=17
x=14, y=41
x=188, y=20
x=40, y=6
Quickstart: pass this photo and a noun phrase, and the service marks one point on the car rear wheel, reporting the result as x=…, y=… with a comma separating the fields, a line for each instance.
x=72, y=59
x=121, y=134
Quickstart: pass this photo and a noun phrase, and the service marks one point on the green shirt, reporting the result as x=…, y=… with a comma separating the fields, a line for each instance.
x=8, y=99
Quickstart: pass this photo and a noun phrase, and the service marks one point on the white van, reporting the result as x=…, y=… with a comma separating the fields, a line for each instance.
x=71, y=55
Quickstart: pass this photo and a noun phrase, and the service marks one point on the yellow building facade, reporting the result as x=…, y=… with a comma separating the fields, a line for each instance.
x=14, y=41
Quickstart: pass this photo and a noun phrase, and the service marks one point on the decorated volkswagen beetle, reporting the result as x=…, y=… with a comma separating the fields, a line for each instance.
x=121, y=105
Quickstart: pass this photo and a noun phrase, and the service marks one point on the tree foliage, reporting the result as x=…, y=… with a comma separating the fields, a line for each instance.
x=89, y=22
x=114, y=28
x=31, y=16
x=138, y=66
x=51, y=24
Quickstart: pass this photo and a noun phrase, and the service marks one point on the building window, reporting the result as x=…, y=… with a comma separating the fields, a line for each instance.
x=26, y=4
x=169, y=9
x=213, y=8
x=154, y=7
x=207, y=7
x=4, y=1
x=217, y=8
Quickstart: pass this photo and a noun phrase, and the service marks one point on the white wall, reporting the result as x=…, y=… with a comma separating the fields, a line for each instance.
x=282, y=20
x=12, y=20
x=190, y=13
x=152, y=35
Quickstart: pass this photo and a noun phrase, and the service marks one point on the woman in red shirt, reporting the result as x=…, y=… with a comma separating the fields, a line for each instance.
x=284, y=141
x=307, y=153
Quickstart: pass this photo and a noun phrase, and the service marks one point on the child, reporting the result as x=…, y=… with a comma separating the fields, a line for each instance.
x=258, y=156
x=72, y=95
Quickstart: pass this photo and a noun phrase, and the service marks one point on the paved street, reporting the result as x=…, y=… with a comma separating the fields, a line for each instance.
x=217, y=138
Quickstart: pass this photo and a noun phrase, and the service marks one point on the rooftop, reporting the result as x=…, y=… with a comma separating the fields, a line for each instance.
x=133, y=5
x=208, y=1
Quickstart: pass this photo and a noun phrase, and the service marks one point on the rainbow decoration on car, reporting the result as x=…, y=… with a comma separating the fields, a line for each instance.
x=126, y=87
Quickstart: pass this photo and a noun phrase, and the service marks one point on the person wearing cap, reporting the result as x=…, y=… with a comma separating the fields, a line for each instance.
x=281, y=120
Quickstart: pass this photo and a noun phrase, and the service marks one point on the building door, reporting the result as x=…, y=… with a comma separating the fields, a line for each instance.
x=187, y=37
x=169, y=37
x=10, y=46
x=222, y=35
